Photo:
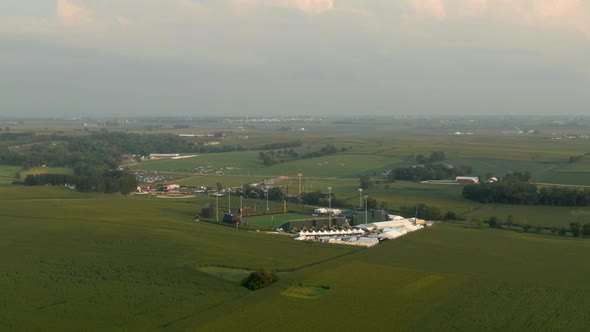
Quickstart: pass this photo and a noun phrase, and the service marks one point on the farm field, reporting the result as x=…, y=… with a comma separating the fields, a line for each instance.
x=546, y=216
x=239, y=163
x=7, y=173
x=145, y=264
x=247, y=163
x=113, y=263
x=118, y=263
x=446, y=278
x=46, y=170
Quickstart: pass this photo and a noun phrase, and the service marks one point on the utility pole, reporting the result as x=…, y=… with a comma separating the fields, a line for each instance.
x=330, y=207
x=366, y=205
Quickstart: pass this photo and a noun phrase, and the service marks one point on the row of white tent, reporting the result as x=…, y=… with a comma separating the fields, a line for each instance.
x=392, y=233
x=335, y=212
x=332, y=232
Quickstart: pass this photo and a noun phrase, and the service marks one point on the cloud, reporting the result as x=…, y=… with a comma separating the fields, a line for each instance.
x=312, y=7
x=572, y=15
x=123, y=21
x=74, y=13
x=433, y=9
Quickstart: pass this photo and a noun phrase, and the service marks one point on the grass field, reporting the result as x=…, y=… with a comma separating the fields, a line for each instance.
x=46, y=170
x=73, y=261
x=110, y=262
x=445, y=279
x=275, y=220
x=546, y=216
x=7, y=173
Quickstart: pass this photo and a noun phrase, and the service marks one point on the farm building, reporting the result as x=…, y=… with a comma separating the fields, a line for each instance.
x=164, y=155
x=492, y=179
x=467, y=179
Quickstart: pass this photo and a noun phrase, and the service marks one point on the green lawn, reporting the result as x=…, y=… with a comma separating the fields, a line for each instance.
x=8, y=173
x=47, y=170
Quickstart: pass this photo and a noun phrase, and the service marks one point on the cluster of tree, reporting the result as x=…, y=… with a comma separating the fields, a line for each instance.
x=434, y=157
x=511, y=190
x=279, y=156
x=13, y=158
x=109, y=181
x=248, y=191
x=575, y=159
x=580, y=230
x=10, y=136
x=324, y=151
x=259, y=279
x=104, y=147
x=422, y=211
x=365, y=182
x=428, y=172
x=575, y=228
x=284, y=145
x=312, y=197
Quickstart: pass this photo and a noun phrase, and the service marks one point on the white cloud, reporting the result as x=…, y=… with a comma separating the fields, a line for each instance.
x=569, y=14
x=123, y=21
x=433, y=9
x=313, y=7
x=74, y=13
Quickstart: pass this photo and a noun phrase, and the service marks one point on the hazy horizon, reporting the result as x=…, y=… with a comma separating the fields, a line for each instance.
x=91, y=58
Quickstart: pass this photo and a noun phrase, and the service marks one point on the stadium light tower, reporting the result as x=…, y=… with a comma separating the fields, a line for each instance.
x=241, y=212
x=366, y=205
x=299, y=175
x=229, y=200
x=330, y=207
x=361, y=197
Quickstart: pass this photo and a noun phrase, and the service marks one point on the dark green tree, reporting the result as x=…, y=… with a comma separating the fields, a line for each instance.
x=259, y=279
x=575, y=228
x=365, y=182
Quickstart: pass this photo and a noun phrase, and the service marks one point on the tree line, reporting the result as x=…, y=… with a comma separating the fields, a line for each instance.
x=575, y=228
x=428, y=172
x=112, y=181
x=514, y=189
x=282, y=155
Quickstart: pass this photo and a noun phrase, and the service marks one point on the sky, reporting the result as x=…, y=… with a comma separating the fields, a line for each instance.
x=91, y=58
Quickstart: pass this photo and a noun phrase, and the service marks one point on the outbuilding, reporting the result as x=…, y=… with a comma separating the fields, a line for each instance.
x=467, y=179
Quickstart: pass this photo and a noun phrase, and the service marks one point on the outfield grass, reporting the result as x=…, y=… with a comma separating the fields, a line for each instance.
x=275, y=220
